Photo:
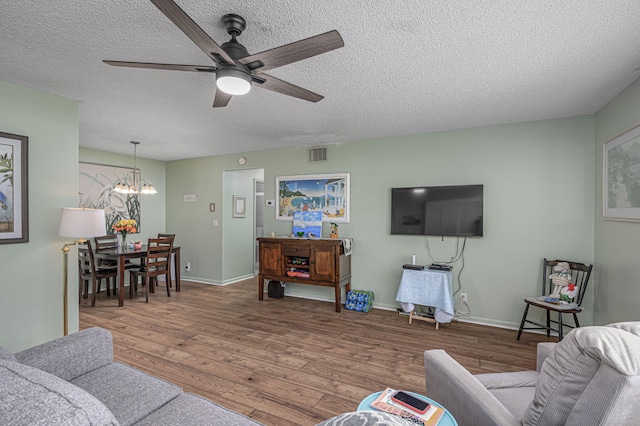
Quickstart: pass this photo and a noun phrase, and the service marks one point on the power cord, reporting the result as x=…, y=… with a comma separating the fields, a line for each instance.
x=458, y=256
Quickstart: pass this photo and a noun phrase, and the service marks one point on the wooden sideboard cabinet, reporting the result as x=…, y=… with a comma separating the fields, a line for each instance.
x=304, y=261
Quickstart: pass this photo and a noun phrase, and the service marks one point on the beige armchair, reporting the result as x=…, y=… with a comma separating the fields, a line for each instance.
x=592, y=377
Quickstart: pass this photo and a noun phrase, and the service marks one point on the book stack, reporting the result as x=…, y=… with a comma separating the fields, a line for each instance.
x=384, y=403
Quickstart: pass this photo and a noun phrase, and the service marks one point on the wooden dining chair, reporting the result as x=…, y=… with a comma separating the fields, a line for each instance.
x=158, y=262
x=110, y=242
x=89, y=272
x=580, y=274
x=172, y=237
x=106, y=242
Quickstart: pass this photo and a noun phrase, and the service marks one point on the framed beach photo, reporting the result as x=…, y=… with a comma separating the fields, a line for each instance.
x=326, y=193
x=621, y=176
x=14, y=189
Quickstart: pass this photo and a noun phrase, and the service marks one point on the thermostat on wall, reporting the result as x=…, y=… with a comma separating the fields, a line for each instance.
x=189, y=198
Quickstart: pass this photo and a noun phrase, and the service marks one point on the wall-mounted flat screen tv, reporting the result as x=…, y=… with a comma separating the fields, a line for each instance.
x=438, y=210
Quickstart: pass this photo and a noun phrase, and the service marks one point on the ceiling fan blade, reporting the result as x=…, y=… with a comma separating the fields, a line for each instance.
x=221, y=99
x=269, y=82
x=293, y=52
x=172, y=67
x=193, y=31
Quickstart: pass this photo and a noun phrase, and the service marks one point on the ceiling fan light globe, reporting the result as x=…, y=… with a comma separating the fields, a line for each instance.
x=233, y=81
x=233, y=85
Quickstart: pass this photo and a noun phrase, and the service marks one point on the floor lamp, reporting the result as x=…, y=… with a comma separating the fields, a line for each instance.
x=79, y=224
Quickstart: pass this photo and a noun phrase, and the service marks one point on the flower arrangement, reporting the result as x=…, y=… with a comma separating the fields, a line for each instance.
x=125, y=226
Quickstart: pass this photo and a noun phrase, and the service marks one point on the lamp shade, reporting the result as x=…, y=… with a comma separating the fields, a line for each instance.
x=82, y=223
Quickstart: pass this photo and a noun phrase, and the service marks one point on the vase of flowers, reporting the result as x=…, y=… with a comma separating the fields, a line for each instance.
x=123, y=227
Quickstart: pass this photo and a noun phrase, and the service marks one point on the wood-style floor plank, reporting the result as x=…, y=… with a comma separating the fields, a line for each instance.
x=289, y=361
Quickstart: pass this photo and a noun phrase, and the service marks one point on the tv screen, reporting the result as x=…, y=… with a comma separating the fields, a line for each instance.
x=437, y=210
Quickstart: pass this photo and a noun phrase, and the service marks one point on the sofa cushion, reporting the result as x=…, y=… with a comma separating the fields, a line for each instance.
x=5, y=355
x=516, y=379
x=29, y=396
x=514, y=390
x=515, y=400
x=585, y=362
x=192, y=410
x=131, y=395
x=71, y=356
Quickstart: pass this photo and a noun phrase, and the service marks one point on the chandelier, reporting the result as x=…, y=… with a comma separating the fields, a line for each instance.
x=132, y=183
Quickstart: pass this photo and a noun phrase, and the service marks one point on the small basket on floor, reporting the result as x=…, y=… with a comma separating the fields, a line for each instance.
x=359, y=300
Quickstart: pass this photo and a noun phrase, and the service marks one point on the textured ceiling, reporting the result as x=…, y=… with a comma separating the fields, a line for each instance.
x=408, y=66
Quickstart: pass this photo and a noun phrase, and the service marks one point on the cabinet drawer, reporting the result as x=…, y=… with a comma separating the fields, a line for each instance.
x=295, y=250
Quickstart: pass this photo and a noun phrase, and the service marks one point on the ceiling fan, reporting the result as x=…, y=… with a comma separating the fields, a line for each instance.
x=236, y=70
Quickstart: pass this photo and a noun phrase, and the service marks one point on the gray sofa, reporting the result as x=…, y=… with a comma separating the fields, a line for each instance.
x=592, y=377
x=74, y=381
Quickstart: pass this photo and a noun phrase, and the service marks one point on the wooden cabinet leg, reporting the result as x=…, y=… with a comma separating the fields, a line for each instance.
x=338, y=290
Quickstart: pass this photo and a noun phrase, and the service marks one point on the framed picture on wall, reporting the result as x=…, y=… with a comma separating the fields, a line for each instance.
x=621, y=176
x=239, y=206
x=326, y=193
x=14, y=189
x=96, y=183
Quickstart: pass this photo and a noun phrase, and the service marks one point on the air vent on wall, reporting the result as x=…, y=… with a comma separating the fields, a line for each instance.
x=317, y=154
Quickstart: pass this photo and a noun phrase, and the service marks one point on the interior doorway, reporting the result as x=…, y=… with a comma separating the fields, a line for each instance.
x=241, y=226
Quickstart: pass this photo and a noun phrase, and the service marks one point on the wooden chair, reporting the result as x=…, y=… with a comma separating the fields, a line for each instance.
x=580, y=274
x=172, y=237
x=110, y=242
x=106, y=242
x=157, y=263
x=90, y=272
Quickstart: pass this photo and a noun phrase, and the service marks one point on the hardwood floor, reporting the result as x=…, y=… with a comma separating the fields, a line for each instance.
x=289, y=361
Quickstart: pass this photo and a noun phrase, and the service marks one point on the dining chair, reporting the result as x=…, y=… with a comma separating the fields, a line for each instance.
x=90, y=272
x=106, y=242
x=172, y=237
x=158, y=262
x=580, y=274
x=110, y=242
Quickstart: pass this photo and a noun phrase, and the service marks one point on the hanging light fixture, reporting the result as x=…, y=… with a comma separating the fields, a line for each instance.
x=132, y=183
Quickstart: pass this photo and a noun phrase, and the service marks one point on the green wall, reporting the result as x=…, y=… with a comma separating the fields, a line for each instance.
x=31, y=278
x=617, y=244
x=539, y=199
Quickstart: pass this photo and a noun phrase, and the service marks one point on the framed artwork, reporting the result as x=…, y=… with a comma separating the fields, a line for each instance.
x=14, y=189
x=96, y=185
x=327, y=193
x=239, y=206
x=621, y=176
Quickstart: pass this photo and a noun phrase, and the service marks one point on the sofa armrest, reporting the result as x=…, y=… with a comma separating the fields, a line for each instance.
x=544, y=350
x=71, y=356
x=450, y=384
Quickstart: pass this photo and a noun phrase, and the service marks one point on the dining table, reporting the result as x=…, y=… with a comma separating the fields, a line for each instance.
x=123, y=253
